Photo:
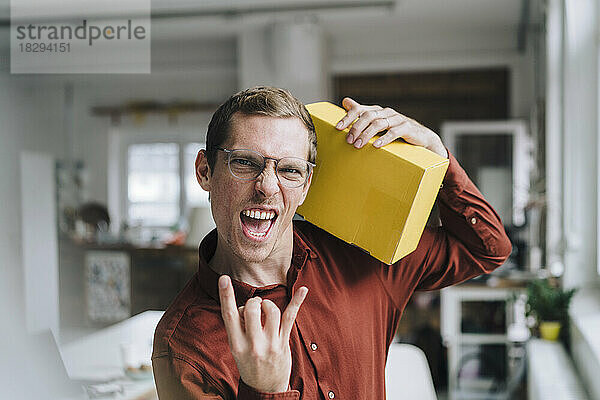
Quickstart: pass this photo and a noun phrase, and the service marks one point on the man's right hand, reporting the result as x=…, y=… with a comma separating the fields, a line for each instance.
x=262, y=353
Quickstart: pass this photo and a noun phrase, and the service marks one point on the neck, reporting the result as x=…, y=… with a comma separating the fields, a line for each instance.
x=270, y=271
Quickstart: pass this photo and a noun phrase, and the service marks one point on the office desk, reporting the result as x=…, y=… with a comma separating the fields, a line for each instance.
x=97, y=357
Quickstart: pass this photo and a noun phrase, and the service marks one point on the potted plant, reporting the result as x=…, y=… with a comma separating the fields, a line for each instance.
x=549, y=304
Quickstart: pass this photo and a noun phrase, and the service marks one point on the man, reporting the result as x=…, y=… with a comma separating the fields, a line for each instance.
x=282, y=310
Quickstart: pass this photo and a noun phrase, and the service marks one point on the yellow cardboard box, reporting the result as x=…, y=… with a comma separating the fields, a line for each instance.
x=376, y=199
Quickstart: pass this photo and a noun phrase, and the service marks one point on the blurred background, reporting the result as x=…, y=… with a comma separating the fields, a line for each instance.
x=101, y=214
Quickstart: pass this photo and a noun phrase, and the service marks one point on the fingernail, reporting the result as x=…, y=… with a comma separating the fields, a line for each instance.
x=358, y=143
x=339, y=125
x=377, y=143
x=349, y=138
x=223, y=282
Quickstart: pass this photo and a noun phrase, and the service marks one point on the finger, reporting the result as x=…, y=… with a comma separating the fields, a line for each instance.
x=272, y=318
x=349, y=103
x=383, y=122
x=388, y=138
x=354, y=109
x=229, y=311
x=252, y=318
x=374, y=116
x=395, y=124
x=289, y=315
x=407, y=132
x=364, y=119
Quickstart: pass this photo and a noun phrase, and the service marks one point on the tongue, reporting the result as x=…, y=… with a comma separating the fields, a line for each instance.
x=256, y=225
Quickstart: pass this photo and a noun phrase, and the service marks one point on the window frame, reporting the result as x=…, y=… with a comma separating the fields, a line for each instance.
x=148, y=129
x=180, y=170
x=573, y=70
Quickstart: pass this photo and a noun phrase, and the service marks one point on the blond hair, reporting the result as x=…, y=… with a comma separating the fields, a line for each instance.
x=259, y=100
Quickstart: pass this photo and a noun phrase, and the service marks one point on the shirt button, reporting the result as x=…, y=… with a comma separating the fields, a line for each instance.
x=473, y=220
x=331, y=395
x=313, y=346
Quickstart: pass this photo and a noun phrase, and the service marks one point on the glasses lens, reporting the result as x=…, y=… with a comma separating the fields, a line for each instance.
x=245, y=164
x=292, y=172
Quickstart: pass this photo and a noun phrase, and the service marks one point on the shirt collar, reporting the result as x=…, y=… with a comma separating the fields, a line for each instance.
x=208, y=279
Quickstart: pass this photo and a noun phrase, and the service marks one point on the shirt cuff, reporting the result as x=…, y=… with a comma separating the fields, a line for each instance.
x=246, y=392
x=454, y=181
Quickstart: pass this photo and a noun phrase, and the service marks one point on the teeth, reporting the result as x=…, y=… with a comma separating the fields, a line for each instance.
x=259, y=214
x=257, y=234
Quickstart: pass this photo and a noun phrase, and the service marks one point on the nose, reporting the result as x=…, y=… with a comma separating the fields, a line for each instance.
x=267, y=182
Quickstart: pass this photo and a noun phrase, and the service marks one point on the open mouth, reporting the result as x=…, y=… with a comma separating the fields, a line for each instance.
x=257, y=223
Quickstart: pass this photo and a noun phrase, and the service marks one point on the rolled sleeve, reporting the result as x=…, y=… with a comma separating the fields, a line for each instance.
x=178, y=379
x=246, y=392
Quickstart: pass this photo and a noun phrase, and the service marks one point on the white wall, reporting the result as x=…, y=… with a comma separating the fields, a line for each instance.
x=30, y=120
x=39, y=241
x=287, y=53
x=11, y=278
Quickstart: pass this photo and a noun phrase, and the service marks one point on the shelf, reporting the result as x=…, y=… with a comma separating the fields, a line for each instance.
x=475, y=338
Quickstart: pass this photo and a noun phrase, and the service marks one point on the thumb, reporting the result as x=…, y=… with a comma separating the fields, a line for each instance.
x=348, y=103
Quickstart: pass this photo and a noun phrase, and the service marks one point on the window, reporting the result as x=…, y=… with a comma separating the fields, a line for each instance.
x=194, y=194
x=153, y=183
x=161, y=183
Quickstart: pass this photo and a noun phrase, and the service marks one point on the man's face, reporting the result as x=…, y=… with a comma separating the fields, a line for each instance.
x=254, y=239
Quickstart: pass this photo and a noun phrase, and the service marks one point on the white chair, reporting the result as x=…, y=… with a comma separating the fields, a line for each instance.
x=407, y=374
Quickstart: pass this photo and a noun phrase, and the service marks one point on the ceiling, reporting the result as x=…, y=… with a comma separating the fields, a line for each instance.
x=211, y=18
x=405, y=15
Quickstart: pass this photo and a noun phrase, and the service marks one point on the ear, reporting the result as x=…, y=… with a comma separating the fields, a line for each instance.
x=305, y=188
x=203, y=173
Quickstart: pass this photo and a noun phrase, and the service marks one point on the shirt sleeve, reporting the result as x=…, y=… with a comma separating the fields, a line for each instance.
x=175, y=378
x=471, y=241
x=248, y=393
x=178, y=379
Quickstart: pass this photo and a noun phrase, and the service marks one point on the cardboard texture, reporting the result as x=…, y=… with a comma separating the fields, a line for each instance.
x=376, y=199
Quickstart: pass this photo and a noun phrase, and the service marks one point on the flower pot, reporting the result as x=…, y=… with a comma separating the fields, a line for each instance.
x=549, y=330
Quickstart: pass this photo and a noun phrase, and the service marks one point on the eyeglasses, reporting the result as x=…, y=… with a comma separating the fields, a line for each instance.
x=292, y=172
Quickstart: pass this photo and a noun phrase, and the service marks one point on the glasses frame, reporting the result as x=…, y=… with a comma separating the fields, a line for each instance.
x=275, y=160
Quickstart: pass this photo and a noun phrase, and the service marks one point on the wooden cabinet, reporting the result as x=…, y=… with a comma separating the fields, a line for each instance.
x=156, y=276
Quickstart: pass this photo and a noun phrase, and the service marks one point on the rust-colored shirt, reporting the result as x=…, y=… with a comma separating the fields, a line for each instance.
x=341, y=336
